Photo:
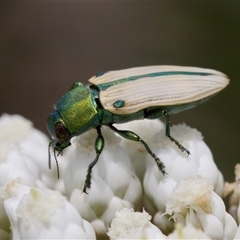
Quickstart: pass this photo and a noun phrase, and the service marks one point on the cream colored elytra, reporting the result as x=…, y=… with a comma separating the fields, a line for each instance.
x=164, y=90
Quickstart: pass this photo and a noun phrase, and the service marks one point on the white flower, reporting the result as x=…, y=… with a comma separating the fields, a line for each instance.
x=13, y=161
x=14, y=128
x=14, y=164
x=128, y=224
x=193, y=201
x=42, y=214
x=23, y=152
x=114, y=183
x=188, y=194
x=158, y=188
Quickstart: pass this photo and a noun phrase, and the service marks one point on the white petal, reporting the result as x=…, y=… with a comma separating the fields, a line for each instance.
x=164, y=192
x=230, y=227
x=14, y=128
x=212, y=226
x=187, y=232
x=162, y=221
x=218, y=207
x=237, y=234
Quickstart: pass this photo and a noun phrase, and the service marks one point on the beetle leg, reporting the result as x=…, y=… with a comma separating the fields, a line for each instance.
x=99, y=145
x=134, y=137
x=181, y=147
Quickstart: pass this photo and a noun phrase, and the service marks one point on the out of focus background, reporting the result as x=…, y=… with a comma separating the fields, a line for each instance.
x=47, y=46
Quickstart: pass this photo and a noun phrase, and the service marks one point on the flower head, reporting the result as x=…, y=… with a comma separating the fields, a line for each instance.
x=183, y=202
x=193, y=201
x=128, y=224
x=38, y=214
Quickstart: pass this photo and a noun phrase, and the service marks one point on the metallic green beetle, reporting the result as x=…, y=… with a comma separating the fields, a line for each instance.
x=126, y=95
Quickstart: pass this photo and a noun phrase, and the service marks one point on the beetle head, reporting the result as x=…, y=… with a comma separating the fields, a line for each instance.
x=60, y=136
x=59, y=133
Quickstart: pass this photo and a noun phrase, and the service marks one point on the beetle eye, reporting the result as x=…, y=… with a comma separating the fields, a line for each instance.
x=62, y=133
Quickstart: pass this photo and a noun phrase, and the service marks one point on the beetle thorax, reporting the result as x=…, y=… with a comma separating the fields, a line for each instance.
x=78, y=110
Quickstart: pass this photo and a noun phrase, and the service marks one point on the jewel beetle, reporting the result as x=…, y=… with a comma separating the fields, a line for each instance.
x=126, y=95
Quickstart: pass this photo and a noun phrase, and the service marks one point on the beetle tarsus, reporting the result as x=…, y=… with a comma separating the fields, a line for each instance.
x=88, y=182
x=160, y=164
x=180, y=146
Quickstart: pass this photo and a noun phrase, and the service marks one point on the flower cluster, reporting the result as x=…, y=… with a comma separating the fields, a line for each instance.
x=129, y=197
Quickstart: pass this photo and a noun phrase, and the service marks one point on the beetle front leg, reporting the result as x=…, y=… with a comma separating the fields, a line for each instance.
x=180, y=146
x=99, y=145
x=134, y=137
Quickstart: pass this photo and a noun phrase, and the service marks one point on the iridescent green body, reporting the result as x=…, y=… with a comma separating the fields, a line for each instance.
x=127, y=95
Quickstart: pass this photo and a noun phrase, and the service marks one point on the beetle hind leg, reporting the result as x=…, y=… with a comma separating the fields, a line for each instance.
x=134, y=137
x=180, y=146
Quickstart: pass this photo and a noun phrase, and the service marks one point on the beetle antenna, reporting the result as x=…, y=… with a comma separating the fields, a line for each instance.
x=49, y=154
x=55, y=156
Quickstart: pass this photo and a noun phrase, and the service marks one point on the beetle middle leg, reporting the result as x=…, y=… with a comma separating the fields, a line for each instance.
x=99, y=145
x=180, y=146
x=134, y=137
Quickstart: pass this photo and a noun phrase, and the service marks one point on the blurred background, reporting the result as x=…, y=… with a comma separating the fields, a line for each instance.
x=47, y=46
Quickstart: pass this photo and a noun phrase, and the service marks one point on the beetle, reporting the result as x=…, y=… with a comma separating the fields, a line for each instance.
x=126, y=95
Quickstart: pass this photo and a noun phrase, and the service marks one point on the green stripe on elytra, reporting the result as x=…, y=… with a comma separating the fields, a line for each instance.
x=104, y=86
